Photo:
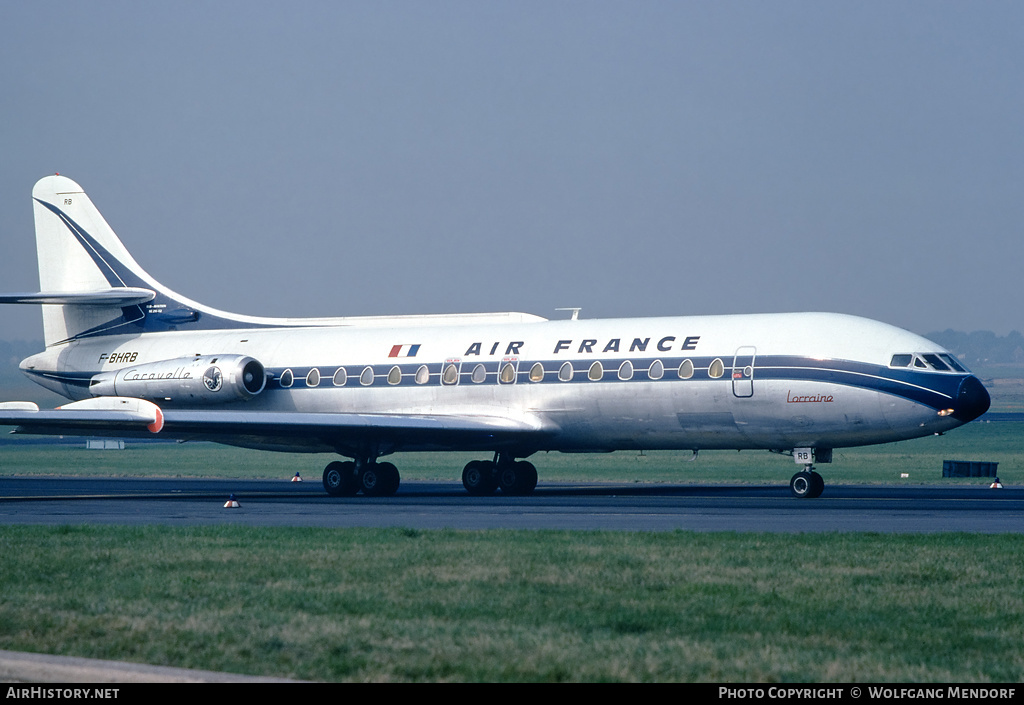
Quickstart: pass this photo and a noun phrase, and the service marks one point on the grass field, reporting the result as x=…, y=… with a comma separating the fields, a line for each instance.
x=408, y=605
x=404, y=605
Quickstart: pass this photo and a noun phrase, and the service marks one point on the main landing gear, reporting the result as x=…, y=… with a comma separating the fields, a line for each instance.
x=480, y=477
x=511, y=476
x=373, y=479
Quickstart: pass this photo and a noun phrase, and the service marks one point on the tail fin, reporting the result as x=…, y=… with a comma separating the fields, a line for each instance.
x=80, y=254
x=76, y=247
x=90, y=284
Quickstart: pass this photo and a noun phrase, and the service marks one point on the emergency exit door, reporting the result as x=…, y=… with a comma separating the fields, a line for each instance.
x=743, y=371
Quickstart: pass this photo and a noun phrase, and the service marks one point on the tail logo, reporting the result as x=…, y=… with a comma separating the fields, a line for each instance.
x=213, y=378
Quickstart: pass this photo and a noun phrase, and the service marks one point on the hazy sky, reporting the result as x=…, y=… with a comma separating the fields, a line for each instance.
x=631, y=158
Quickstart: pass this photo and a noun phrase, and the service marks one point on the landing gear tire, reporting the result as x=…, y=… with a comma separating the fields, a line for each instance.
x=807, y=485
x=379, y=480
x=478, y=478
x=340, y=479
x=518, y=478
x=818, y=485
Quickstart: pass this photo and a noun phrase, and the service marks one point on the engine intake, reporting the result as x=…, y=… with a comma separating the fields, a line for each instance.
x=204, y=379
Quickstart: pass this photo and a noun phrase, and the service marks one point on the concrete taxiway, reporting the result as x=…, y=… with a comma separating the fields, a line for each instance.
x=434, y=505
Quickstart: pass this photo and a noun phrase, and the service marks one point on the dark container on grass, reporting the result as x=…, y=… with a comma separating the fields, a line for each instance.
x=968, y=468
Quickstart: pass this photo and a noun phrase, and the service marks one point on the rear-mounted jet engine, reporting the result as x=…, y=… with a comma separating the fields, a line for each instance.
x=211, y=379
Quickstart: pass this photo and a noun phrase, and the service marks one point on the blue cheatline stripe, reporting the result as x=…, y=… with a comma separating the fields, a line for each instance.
x=934, y=389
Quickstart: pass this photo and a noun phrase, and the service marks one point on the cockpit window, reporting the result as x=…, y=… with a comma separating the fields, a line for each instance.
x=953, y=363
x=936, y=362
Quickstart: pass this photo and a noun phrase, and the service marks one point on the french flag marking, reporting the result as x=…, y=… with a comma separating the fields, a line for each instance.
x=404, y=350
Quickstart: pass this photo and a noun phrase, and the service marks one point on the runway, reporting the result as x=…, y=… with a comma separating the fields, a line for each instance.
x=588, y=506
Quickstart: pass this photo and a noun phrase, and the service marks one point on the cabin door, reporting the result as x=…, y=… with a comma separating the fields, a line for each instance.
x=743, y=371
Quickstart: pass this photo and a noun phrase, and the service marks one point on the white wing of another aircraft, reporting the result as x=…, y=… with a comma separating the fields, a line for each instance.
x=136, y=358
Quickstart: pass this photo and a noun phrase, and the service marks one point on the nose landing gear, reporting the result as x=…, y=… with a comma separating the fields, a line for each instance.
x=807, y=483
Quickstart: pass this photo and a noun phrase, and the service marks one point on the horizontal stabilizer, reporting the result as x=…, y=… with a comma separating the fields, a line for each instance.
x=118, y=296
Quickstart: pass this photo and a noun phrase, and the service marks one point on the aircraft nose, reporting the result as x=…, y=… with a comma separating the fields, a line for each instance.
x=972, y=400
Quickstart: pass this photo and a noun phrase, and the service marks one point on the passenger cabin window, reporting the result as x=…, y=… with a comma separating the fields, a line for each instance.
x=686, y=369
x=479, y=374
x=717, y=369
x=508, y=373
x=565, y=372
x=366, y=377
x=313, y=378
x=340, y=377
x=394, y=375
x=537, y=372
x=287, y=378
x=626, y=370
x=596, y=372
x=422, y=375
x=451, y=374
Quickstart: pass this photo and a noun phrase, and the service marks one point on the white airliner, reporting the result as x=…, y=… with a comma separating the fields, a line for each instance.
x=140, y=359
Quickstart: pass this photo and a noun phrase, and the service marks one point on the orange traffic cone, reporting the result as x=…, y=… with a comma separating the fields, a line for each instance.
x=232, y=503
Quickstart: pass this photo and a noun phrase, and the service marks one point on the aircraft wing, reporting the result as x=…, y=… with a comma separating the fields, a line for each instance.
x=291, y=431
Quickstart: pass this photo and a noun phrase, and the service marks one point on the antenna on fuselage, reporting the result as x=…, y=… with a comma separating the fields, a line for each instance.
x=575, y=312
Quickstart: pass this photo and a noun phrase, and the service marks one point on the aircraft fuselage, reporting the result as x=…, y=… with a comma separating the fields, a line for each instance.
x=772, y=381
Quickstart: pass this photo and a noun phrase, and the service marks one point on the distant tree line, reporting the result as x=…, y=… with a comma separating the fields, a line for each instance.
x=982, y=346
